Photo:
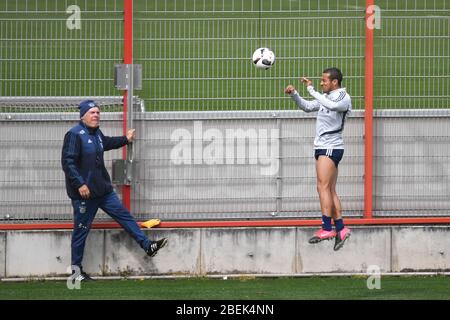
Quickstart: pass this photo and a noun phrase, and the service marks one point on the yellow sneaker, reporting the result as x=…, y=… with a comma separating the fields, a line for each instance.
x=150, y=223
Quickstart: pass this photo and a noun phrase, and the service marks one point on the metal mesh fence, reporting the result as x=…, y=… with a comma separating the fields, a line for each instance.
x=196, y=55
x=48, y=49
x=32, y=185
x=412, y=71
x=411, y=161
x=60, y=48
x=412, y=55
x=18, y=107
x=223, y=165
x=189, y=166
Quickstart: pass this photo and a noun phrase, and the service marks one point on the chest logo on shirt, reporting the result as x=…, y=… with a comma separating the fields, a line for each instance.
x=89, y=141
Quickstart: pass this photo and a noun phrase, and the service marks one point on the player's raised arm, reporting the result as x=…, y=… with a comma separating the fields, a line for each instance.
x=307, y=106
x=339, y=104
x=306, y=81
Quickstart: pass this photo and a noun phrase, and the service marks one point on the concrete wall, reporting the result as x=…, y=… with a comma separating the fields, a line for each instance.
x=278, y=250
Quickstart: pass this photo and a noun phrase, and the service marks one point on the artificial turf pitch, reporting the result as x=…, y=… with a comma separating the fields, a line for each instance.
x=244, y=288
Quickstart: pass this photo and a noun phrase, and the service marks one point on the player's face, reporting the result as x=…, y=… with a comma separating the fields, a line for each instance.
x=326, y=83
x=92, y=117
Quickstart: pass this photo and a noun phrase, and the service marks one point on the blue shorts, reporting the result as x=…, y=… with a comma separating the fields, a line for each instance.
x=334, y=154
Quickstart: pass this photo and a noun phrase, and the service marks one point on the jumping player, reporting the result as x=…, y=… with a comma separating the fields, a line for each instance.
x=332, y=108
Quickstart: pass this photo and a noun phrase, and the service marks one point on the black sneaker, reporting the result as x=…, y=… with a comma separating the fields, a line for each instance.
x=155, y=246
x=82, y=276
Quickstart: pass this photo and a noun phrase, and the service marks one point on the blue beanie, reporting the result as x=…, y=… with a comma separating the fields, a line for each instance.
x=85, y=105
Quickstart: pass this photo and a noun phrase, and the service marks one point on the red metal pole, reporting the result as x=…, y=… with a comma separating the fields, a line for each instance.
x=128, y=59
x=368, y=117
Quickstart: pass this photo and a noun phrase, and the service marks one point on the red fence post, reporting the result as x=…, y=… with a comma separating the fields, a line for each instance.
x=128, y=59
x=368, y=114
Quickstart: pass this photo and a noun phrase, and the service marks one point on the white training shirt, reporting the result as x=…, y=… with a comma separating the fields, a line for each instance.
x=332, y=109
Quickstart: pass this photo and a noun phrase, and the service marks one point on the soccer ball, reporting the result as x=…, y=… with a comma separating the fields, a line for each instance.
x=263, y=58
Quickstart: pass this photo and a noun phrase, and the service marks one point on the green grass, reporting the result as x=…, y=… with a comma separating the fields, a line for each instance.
x=196, y=54
x=348, y=288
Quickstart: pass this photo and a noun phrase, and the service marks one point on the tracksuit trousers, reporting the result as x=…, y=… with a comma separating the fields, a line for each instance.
x=84, y=214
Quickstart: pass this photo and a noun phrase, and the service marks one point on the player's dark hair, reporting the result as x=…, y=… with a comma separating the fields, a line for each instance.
x=334, y=73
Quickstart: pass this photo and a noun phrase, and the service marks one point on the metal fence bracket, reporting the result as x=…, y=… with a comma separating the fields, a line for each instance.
x=123, y=171
x=121, y=74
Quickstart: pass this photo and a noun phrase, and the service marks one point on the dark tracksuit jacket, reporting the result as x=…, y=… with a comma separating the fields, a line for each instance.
x=83, y=163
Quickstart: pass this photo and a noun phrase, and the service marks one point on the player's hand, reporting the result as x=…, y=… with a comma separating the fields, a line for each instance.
x=306, y=81
x=131, y=135
x=289, y=89
x=84, y=191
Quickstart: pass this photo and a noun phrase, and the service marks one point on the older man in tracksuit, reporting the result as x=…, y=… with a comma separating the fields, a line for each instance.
x=89, y=185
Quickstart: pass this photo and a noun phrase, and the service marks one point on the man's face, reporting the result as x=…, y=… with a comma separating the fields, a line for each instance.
x=92, y=117
x=326, y=83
